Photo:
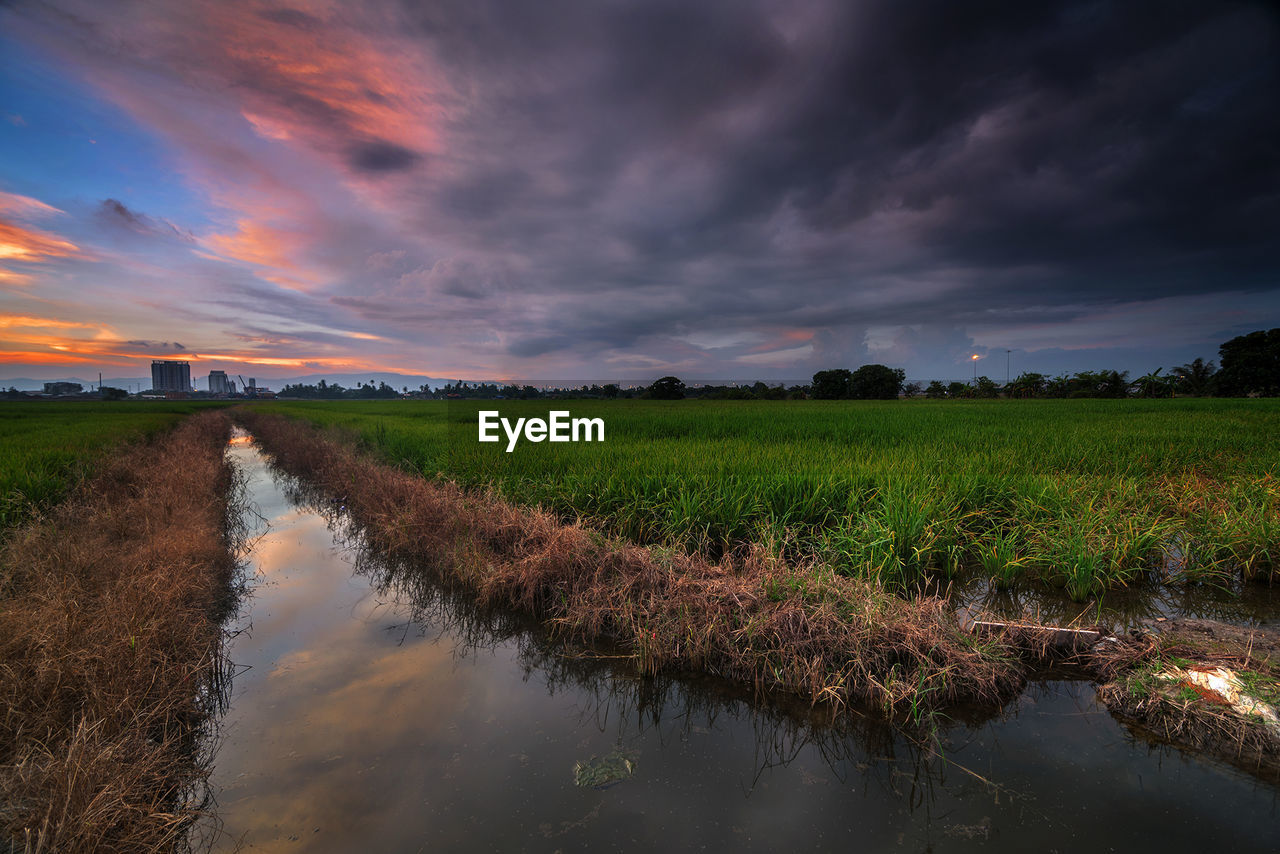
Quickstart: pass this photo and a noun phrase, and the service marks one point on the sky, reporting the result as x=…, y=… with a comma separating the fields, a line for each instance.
x=610, y=190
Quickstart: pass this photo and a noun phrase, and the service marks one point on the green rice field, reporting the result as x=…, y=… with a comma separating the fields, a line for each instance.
x=1084, y=495
x=47, y=447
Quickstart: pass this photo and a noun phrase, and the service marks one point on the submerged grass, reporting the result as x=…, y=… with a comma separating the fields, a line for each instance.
x=110, y=648
x=1082, y=495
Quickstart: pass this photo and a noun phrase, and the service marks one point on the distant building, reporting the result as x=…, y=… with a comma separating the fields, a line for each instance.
x=219, y=384
x=170, y=376
x=63, y=388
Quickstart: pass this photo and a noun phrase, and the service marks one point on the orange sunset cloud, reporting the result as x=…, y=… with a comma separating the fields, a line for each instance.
x=30, y=245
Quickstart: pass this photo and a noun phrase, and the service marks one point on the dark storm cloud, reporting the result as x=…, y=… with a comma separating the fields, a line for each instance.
x=693, y=183
x=382, y=156
x=115, y=214
x=291, y=17
x=1036, y=154
x=156, y=345
x=1113, y=146
x=484, y=195
x=113, y=209
x=1090, y=159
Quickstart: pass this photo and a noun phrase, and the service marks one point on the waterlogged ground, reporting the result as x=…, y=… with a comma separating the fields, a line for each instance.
x=1239, y=603
x=374, y=712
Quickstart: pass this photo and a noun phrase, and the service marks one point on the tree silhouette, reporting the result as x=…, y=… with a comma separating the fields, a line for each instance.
x=1251, y=364
x=1195, y=377
x=667, y=388
x=832, y=385
x=876, y=382
x=1154, y=385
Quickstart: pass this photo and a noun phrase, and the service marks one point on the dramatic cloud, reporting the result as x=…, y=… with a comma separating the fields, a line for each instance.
x=20, y=245
x=115, y=213
x=723, y=189
x=30, y=245
x=25, y=207
x=382, y=157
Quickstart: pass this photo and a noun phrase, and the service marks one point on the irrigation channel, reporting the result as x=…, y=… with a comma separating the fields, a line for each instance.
x=374, y=711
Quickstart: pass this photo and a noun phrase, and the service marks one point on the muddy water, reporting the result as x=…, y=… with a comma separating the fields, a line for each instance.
x=1243, y=603
x=373, y=711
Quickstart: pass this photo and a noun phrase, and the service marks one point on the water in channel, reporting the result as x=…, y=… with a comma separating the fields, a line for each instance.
x=374, y=711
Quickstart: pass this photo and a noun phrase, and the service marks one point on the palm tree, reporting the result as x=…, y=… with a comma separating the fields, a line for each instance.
x=1113, y=383
x=1153, y=385
x=1027, y=385
x=1194, y=377
x=1059, y=386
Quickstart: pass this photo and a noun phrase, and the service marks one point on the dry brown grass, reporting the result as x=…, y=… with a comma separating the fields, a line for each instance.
x=110, y=648
x=749, y=618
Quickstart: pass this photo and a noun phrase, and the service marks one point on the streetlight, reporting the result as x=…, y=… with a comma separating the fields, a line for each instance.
x=974, y=359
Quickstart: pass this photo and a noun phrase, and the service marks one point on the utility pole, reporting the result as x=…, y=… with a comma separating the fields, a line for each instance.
x=1007, y=360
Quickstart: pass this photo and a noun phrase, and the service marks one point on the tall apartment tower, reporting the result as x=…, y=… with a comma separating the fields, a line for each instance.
x=218, y=383
x=170, y=376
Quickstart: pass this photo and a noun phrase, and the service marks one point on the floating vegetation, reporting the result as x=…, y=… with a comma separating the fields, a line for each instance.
x=605, y=771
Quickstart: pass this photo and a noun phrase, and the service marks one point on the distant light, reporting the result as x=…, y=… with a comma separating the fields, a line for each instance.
x=974, y=356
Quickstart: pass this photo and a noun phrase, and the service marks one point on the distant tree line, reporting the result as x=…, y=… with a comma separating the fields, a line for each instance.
x=671, y=388
x=495, y=391
x=869, y=382
x=324, y=391
x=104, y=393
x=666, y=388
x=1250, y=366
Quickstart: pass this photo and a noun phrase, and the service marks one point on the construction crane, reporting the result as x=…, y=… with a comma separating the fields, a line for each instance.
x=244, y=386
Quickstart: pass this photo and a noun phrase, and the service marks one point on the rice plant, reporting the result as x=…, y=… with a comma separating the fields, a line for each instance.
x=999, y=554
x=48, y=447
x=1084, y=494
